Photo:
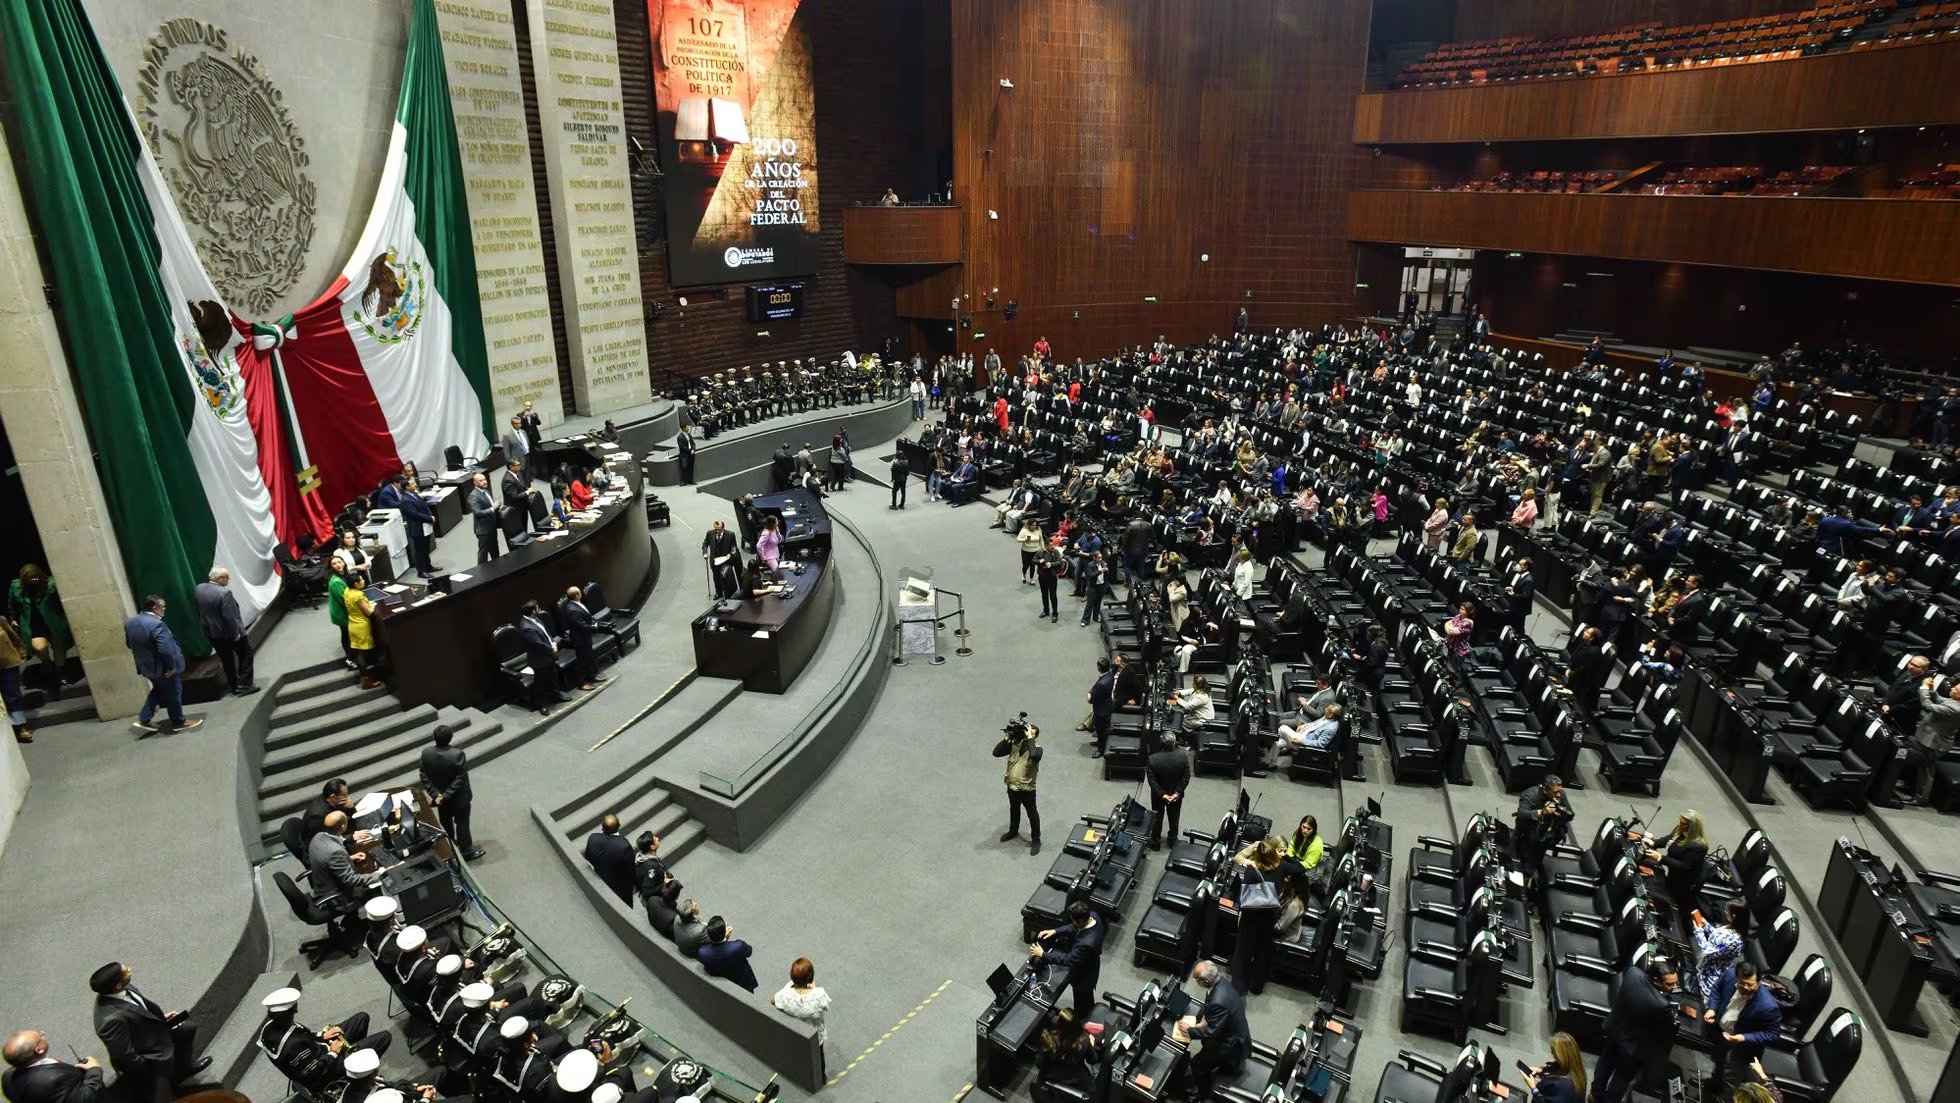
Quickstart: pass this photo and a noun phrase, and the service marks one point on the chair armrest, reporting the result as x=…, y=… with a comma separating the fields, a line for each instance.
x=1431, y=842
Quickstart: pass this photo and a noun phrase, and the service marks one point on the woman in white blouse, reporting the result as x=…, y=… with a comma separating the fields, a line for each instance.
x=350, y=553
x=802, y=999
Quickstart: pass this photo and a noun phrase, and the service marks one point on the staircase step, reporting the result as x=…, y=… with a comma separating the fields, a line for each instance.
x=370, y=709
x=675, y=844
x=617, y=800
x=357, y=745
x=350, y=695
x=312, y=683
x=647, y=812
x=398, y=769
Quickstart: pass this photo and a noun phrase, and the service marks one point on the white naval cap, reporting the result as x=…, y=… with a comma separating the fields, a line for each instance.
x=362, y=1062
x=476, y=995
x=411, y=939
x=379, y=908
x=282, y=999
x=606, y=1093
x=577, y=1070
x=517, y=1026
x=449, y=965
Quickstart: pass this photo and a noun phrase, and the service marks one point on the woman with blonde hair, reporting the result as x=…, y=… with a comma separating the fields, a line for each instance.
x=1682, y=856
x=1561, y=1079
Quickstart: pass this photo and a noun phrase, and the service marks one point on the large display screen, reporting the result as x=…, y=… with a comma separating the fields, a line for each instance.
x=736, y=113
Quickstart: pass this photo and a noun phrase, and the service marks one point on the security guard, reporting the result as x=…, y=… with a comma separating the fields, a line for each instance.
x=308, y=1058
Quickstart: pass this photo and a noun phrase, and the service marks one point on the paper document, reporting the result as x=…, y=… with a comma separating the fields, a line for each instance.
x=459, y=577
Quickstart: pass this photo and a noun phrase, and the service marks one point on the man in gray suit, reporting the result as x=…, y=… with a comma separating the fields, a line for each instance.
x=332, y=867
x=689, y=931
x=484, y=517
x=224, y=626
x=517, y=446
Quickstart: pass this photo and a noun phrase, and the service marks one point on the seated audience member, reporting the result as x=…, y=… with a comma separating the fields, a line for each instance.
x=723, y=955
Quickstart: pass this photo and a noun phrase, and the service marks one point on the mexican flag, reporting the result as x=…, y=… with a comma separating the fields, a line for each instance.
x=388, y=365
x=171, y=404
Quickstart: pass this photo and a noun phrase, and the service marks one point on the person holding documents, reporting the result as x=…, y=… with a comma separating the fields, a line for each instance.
x=723, y=555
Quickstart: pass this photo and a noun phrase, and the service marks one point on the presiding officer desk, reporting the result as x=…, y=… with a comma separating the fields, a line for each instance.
x=439, y=645
x=766, y=642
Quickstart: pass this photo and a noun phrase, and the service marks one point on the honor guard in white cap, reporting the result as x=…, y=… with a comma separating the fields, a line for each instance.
x=307, y=1057
x=469, y=1039
x=522, y=1073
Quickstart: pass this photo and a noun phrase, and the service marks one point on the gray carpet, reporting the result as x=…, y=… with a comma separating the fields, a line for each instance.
x=889, y=876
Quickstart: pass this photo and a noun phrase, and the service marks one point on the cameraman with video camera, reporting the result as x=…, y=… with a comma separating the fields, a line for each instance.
x=1023, y=764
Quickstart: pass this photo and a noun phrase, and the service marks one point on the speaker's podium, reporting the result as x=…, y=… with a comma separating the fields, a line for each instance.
x=918, y=614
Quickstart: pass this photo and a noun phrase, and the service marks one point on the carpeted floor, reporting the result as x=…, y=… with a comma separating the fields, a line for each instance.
x=889, y=875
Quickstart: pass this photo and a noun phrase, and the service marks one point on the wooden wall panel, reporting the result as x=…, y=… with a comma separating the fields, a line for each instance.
x=867, y=72
x=1895, y=86
x=901, y=235
x=1503, y=18
x=1679, y=305
x=929, y=294
x=1140, y=135
x=1905, y=240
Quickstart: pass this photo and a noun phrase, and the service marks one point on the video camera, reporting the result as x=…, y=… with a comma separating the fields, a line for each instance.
x=1017, y=729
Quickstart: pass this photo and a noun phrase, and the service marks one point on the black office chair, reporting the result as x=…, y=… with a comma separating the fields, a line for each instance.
x=1773, y=944
x=507, y=643
x=292, y=833
x=452, y=458
x=314, y=914
x=304, y=578
x=622, y=623
x=1809, y=990
x=1811, y=1072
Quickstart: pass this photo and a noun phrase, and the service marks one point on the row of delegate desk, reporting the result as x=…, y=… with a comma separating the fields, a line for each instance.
x=1141, y=1056
x=1896, y=934
x=438, y=635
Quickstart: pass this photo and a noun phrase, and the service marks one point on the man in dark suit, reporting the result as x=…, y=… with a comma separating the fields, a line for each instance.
x=541, y=651
x=333, y=797
x=161, y=662
x=417, y=518
x=1169, y=771
x=1221, y=1026
x=337, y=885
x=720, y=544
x=533, y=425
x=1540, y=822
x=782, y=468
x=446, y=778
x=218, y=616
x=1639, y=1031
x=685, y=445
x=1101, y=703
x=151, y=1052
x=1746, y=1018
x=484, y=517
x=723, y=955
x=515, y=488
x=1684, y=620
x=901, y=474
x=611, y=857
x=1901, y=705
x=33, y=1076
x=1520, y=587
x=1587, y=667
x=1078, y=948
x=578, y=623
x=1885, y=603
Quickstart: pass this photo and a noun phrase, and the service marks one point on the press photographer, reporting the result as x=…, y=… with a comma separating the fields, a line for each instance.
x=1023, y=764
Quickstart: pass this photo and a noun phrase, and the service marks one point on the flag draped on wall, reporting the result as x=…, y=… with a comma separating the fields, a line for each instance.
x=188, y=406
x=389, y=364
x=167, y=399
